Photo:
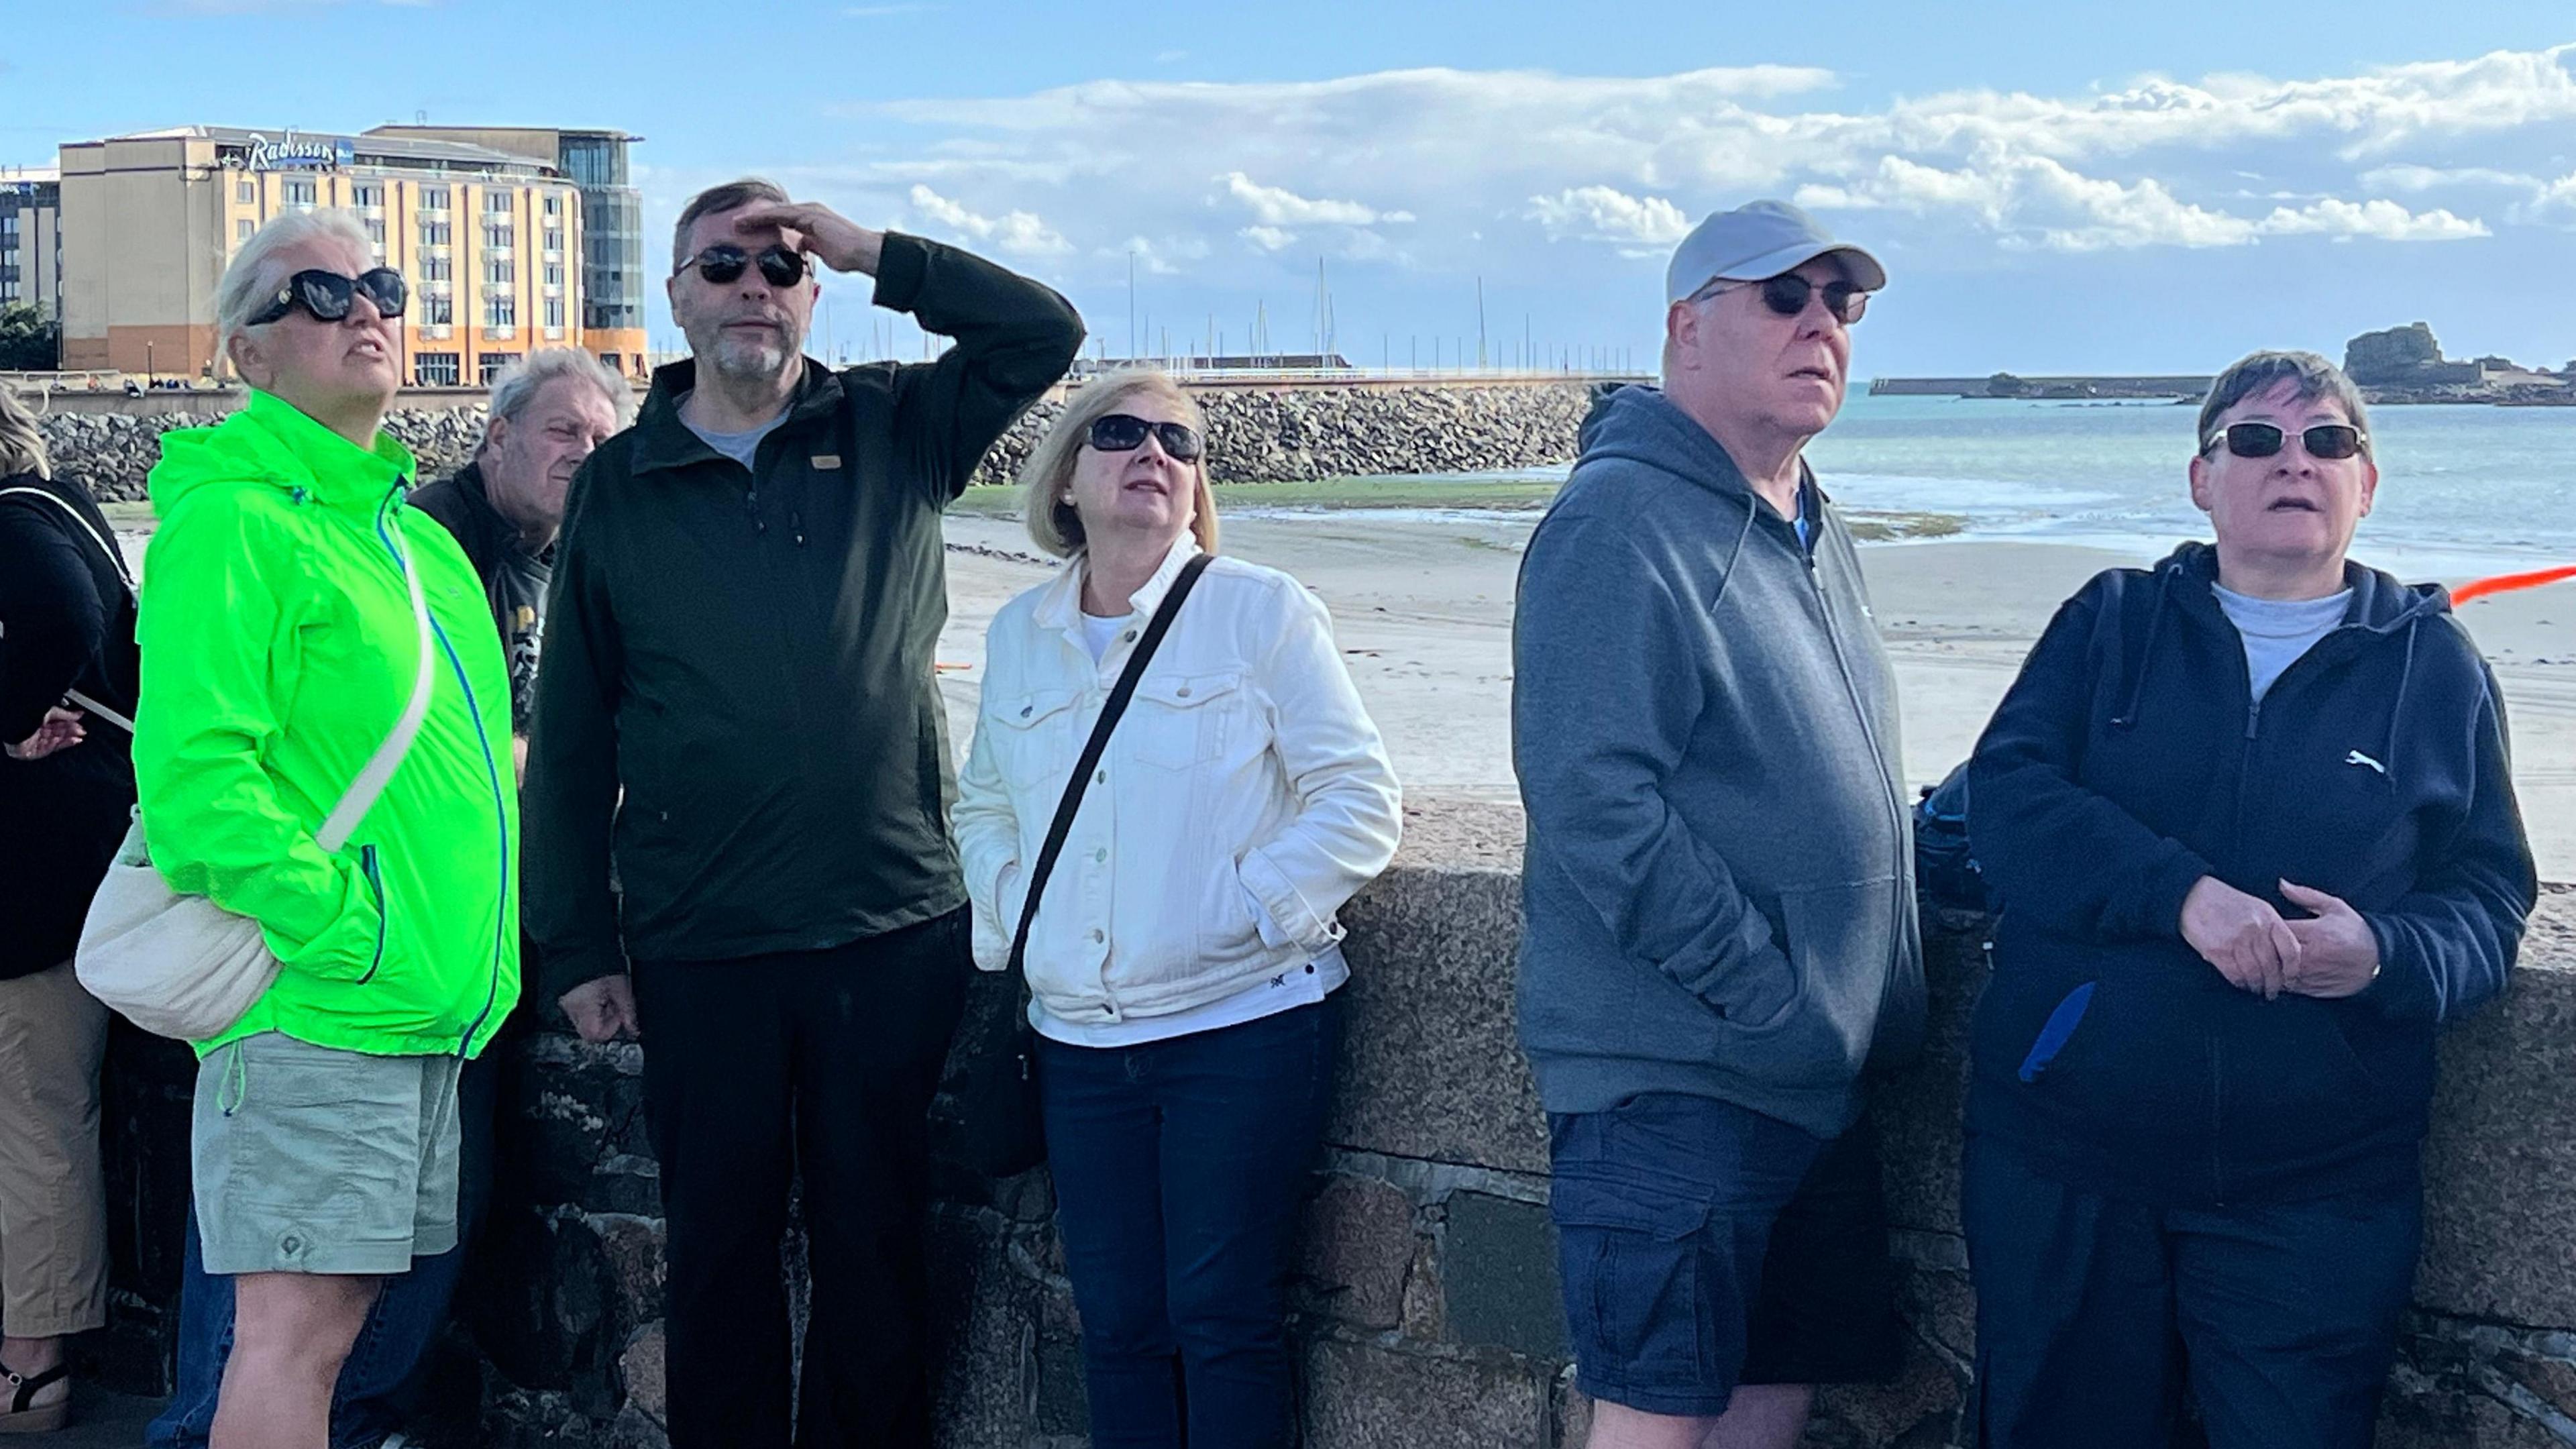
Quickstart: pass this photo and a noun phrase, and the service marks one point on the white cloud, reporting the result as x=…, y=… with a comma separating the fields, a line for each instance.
x=1480, y=169
x=2380, y=220
x=2038, y=200
x=1018, y=233
x=1605, y=213
x=1274, y=206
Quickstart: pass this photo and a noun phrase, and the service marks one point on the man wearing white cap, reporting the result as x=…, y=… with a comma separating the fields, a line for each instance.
x=1719, y=881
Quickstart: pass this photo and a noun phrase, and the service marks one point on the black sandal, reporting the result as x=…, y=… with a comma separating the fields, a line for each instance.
x=23, y=1416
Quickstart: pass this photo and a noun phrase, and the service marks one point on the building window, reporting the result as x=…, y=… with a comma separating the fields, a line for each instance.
x=437, y=309
x=554, y=203
x=500, y=272
x=437, y=369
x=299, y=193
x=499, y=234
x=433, y=198
x=493, y=362
x=435, y=269
x=369, y=194
x=245, y=191
x=500, y=309
x=433, y=233
x=554, y=239
x=554, y=274
x=376, y=233
x=497, y=202
x=555, y=313
x=242, y=230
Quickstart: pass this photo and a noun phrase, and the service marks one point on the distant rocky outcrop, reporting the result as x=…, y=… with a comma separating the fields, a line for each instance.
x=2393, y=356
x=2406, y=365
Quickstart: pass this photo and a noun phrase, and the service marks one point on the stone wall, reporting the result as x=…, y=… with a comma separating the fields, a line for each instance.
x=1427, y=1297
x=1255, y=436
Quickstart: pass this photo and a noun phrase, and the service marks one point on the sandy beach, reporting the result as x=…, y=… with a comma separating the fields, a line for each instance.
x=1423, y=605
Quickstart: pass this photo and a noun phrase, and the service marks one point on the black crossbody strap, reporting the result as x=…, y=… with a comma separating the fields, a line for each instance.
x=1097, y=745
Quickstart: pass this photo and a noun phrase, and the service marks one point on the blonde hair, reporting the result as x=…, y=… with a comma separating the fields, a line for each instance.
x=22, y=448
x=1054, y=524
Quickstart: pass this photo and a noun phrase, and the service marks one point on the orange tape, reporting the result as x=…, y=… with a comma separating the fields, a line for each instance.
x=2507, y=583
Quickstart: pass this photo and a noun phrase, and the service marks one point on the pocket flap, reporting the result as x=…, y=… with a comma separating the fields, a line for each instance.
x=1188, y=691
x=1661, y=1212
x=1031, y=709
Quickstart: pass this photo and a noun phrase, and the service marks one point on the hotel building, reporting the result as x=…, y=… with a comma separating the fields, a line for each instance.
x=492, y=240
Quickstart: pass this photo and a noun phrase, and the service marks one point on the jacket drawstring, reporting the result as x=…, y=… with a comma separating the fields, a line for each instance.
x=2128, y=716
x=2397, y=707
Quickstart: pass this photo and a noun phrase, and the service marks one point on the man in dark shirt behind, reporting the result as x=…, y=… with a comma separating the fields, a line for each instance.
x=745, y=610
x=506, y=506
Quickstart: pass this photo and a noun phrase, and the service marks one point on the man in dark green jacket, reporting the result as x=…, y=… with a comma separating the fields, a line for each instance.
x=746, y=600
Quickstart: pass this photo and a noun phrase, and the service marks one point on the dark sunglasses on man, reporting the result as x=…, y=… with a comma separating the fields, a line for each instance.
x=780, y=265
x=1125, y=433
x=1787, y=294
x=2332, y=442
x=328, y=295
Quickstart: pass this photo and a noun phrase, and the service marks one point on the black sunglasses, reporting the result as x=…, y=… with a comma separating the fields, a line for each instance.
x=1788, y=292
x=328, y=295
x=780, y=264
x=2330, y=441
x=1125, y=432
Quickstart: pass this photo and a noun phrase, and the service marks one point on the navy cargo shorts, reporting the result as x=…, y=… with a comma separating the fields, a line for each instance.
x=1704, y=1245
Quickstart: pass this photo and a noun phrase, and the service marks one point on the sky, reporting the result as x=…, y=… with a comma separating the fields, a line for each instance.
x=2054, y=188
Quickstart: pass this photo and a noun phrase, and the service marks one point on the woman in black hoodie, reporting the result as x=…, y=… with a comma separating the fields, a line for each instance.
x=66, y=786
x=2251, y=819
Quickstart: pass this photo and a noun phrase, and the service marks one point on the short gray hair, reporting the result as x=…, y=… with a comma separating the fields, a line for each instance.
x=253, y=276
x=2310, y=376
x=520, y=382
x=720, y=198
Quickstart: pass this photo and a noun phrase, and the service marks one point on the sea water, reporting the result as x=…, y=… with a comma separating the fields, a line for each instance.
x=2461, y=489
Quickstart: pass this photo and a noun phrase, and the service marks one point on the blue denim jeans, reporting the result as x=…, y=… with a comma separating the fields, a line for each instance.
x=383, y=1380
x=1181, y=1169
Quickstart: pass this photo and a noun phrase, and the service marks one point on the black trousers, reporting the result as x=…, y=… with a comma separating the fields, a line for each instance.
x=755, y=1069
x=2096, y=1317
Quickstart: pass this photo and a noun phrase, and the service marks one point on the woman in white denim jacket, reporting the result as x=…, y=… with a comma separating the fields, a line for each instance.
x=1184, y=957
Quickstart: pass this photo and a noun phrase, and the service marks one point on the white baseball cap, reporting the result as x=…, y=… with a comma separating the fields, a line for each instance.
x=1756, y=242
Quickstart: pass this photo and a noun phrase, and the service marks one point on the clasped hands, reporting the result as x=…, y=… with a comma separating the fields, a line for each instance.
x=2329, y=954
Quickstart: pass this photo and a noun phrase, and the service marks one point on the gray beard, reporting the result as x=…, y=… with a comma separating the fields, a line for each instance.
x=748, y=363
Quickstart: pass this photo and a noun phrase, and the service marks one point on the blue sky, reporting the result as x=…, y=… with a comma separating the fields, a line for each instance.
x=2054, y=187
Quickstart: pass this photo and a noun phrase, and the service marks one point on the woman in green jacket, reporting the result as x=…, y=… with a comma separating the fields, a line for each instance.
x=280, y=647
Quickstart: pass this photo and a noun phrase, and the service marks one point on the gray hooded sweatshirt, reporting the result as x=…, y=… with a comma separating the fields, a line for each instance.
x=1719, y=880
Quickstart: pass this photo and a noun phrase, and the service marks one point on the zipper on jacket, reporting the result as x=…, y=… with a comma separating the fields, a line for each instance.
x=501, y=818
x=375, y=887
x=491, y=773
x=1892, y=796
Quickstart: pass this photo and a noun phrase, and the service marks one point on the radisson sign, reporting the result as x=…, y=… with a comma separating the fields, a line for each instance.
x=298, y=153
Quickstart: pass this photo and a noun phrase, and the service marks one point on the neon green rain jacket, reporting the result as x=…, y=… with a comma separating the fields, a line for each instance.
x=278, y=651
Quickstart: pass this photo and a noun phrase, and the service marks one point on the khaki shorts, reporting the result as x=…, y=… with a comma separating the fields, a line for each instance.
x=314, y=1160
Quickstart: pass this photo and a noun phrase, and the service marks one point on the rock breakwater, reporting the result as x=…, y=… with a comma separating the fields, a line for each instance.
x=1287, y=436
